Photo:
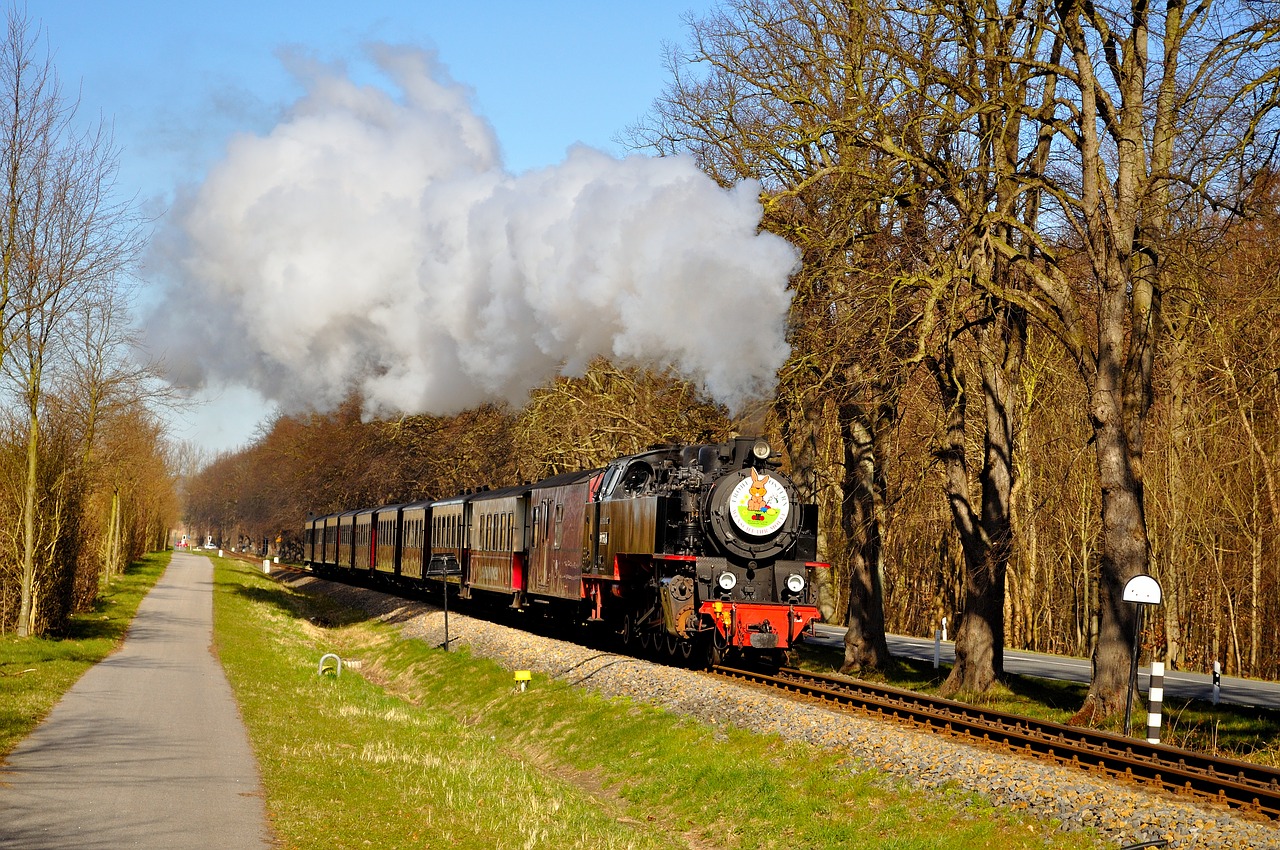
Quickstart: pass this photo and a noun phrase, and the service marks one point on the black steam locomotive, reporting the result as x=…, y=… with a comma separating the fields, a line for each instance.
x=693, y=552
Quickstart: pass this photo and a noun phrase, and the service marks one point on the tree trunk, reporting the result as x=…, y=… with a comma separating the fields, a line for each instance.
x=111, y=556
x=802, y=434
x=1124, y=539
x=986, y=533
x=862, y=515
x=27, y=607
x=1181, y=389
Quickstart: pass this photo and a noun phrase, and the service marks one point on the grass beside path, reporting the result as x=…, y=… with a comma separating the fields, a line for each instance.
x=422, y=748
x=36, y=672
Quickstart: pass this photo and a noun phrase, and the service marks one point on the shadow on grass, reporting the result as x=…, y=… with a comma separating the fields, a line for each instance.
x=1052, y=694
x=96, y=627
x=315, y=609
x=317, y=606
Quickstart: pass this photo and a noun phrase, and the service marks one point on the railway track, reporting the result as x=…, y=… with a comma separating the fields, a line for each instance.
x=1243, y=785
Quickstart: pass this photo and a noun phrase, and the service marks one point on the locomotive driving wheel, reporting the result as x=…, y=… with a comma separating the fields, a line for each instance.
x=685, y=649
x=716, y=649
x=686, y=635
x=644, y=636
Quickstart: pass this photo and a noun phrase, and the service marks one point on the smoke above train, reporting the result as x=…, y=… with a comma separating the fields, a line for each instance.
x=373, y=240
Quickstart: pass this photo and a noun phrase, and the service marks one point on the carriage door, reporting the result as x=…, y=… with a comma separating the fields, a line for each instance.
x=540, y=548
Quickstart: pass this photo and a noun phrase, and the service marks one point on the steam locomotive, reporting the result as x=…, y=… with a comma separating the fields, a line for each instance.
x=700, y=553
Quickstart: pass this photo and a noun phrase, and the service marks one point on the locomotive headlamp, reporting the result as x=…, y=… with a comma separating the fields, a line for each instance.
x=795, y=583
x=727, y=581
x=761, y=449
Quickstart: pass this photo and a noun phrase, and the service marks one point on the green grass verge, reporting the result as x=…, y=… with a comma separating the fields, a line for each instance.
x=1242, y=732
x=36, y=672
x=423, y=748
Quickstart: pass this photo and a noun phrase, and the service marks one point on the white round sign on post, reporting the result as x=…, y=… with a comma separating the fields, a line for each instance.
x=1142, y=589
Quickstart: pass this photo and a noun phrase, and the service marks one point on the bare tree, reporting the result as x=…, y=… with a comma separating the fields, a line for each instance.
x=571, y=424
x=67, y=239
x=975, y=70
x=1142, y=136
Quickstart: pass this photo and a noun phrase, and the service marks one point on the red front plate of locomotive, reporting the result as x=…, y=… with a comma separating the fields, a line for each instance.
x=746, y=624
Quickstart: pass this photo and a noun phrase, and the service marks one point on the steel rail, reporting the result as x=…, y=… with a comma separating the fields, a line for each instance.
x=1244, y=785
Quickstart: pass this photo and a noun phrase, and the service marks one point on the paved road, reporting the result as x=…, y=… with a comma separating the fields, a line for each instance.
x=1177, y=683
x=148, y=749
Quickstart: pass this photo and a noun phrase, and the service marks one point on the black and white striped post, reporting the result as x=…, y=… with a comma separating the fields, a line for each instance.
x=1142, y=590
x=1155, y=702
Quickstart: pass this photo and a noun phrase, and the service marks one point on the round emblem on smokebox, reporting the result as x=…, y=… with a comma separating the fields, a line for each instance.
x=759, y=504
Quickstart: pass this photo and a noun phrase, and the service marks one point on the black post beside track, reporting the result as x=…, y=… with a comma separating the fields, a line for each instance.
x=1241, y=784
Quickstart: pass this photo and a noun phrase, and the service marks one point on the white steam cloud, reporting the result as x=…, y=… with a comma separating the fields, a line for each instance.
x=374, y=240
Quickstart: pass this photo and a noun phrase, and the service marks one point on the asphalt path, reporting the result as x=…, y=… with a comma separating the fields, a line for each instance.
x=148, y=749
x=1177, y=683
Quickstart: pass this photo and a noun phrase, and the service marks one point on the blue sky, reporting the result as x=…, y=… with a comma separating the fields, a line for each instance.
x=179, y=79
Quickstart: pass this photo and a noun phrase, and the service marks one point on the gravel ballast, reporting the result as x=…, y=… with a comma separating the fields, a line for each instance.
x=1121, y=813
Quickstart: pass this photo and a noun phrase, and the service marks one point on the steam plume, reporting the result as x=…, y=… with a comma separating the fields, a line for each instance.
x=374, y=239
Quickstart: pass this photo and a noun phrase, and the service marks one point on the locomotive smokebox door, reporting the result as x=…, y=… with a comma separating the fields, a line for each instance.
x=753, y=515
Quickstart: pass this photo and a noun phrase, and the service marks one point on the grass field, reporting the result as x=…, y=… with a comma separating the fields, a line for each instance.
x=422, y=748
x=36, y=672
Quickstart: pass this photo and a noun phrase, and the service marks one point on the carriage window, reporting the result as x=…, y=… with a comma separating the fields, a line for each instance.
x=559, y=525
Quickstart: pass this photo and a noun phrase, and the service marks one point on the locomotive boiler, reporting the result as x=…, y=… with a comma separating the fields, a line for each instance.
x=693, y=552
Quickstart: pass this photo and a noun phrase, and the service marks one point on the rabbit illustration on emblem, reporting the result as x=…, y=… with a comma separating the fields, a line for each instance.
x=757, y=493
